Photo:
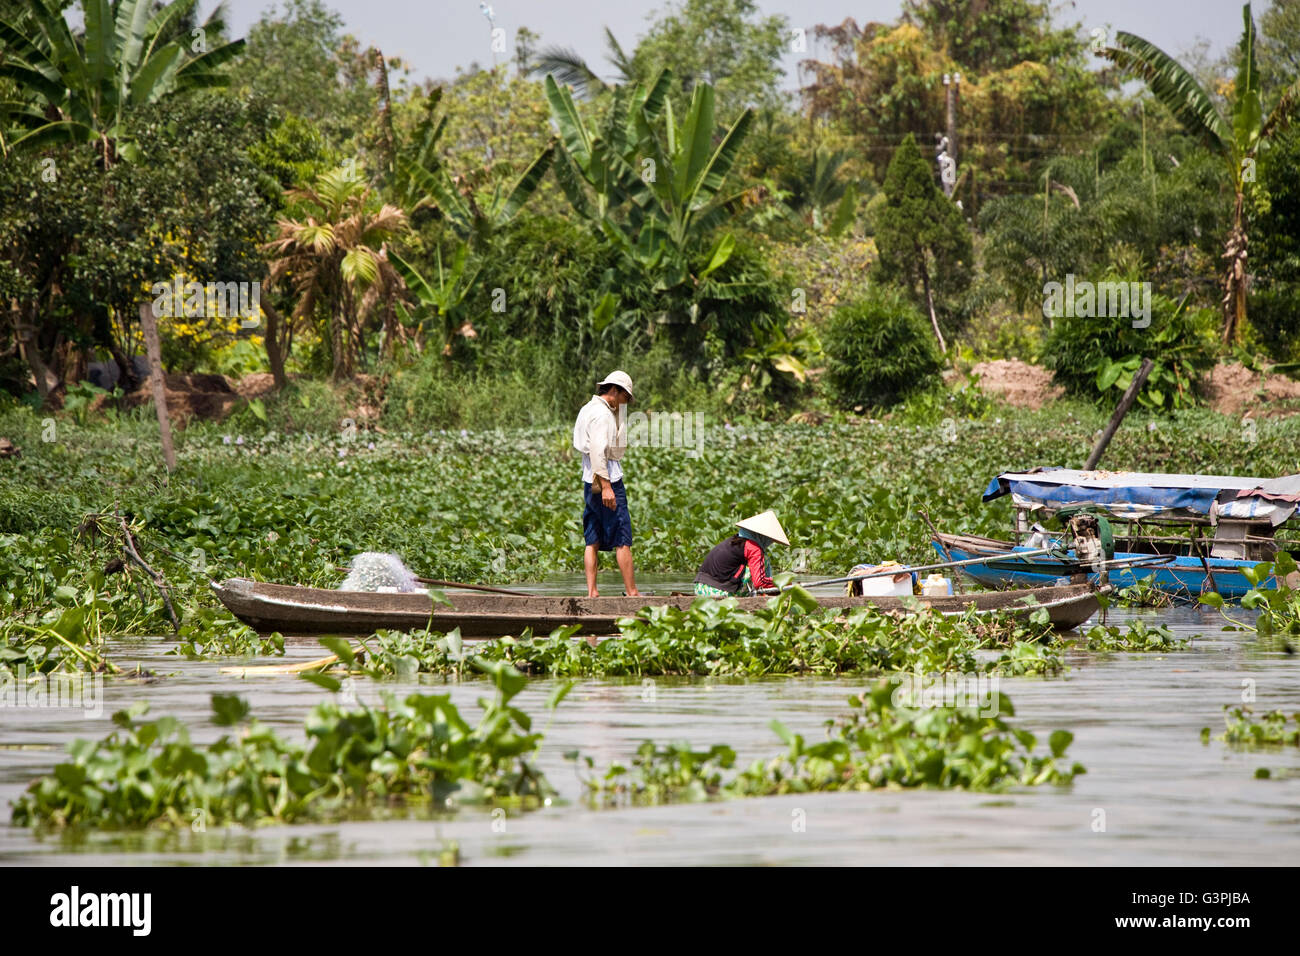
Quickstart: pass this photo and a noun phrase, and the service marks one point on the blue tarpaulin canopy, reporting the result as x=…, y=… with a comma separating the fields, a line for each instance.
x=1130, y=494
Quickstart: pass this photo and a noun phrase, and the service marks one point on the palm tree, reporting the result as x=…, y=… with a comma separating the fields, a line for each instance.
x=819, y=195
x=82, y=88
x=1235, y=136
x=570, y=69
x=335, y=256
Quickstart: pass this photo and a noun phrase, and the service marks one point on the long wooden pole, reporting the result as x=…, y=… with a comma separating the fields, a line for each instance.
x=154, y=353
x=473, y=587
x=469, y=587
x=903, y=569
x=1122, y=409
x=990, y=559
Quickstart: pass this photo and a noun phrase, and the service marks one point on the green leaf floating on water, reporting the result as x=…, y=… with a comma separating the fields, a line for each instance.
x=228, y=709
x=340, y=646
x=1059, y=741
x=327, y=681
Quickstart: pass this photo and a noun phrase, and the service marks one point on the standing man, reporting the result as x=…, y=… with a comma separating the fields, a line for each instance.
x=601, y=435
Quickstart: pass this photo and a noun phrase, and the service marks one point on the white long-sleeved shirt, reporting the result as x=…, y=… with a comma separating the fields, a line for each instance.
x=601, y=438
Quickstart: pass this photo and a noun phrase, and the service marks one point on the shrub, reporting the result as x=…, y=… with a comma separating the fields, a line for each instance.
x=1095, y=358
x=1275, y=317
x=879, y=349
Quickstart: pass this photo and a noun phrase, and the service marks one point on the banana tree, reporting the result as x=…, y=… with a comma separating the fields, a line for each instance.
x=441, y=298
x=419, y=156
x=1236, y=136
x=820, y=189
x=653, y=188
x=82, y=89
x=597, y=165
x=454, y=198
x=689, y=173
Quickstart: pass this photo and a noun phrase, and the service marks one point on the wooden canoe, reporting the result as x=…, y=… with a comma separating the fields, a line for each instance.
x=298, y=610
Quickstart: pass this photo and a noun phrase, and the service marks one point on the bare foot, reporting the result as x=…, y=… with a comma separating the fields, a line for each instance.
x=633, y=593
x=593, y=594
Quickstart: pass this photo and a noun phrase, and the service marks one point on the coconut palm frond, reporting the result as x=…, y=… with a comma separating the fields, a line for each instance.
x=360, y=266
x=621, y=61
x=569, y=69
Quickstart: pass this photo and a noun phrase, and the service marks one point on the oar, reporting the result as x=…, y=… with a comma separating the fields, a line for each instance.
x=1084, y=567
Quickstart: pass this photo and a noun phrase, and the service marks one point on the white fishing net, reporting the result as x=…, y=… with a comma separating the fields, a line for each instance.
x=373, y=571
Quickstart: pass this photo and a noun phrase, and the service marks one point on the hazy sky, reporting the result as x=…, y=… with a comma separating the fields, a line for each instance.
x=439, y=35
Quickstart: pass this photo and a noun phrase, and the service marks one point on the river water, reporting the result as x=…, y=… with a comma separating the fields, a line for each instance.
x=1153, y=793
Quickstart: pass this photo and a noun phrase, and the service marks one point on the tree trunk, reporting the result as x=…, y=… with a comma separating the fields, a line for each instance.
x=338, y=320
x=129, y=380
x=1234, y=280
x=274, y=353
x=929, y=301
x=158, y=379
x=25, y=333
x=387, y=140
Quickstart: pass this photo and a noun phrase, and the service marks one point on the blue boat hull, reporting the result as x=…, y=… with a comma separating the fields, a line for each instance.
x=1179, y=576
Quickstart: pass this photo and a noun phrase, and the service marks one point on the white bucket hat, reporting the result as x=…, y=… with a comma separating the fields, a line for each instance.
x=619, y=378
x=767, y=525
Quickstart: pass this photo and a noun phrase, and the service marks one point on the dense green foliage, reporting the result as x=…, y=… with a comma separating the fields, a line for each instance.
x=924, y=244
x=89, y=89
x=1235, y=132
x=1025, y=86
x=1096, y=356
x=621, y=224
x=294, y=508
x=1151, y=217
x=879, y=350
x=1275, y=250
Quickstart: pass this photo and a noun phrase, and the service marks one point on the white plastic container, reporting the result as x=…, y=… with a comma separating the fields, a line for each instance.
x=898, y=584
x=936, y=585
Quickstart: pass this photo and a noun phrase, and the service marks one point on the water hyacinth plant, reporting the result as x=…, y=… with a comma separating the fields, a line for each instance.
x=877, y=744
x=714, y=638
x=417, y=752
x=1244, y=730
x=1138, y=636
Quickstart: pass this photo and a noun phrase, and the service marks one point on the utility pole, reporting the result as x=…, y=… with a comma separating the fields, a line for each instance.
x=951, y=83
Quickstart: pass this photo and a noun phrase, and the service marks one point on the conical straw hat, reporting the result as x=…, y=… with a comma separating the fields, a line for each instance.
x=766, y=525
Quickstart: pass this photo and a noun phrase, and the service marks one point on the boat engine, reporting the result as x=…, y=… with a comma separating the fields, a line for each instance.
x=1092, y=541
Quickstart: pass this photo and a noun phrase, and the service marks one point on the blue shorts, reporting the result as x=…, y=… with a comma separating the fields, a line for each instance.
x=607, y=528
